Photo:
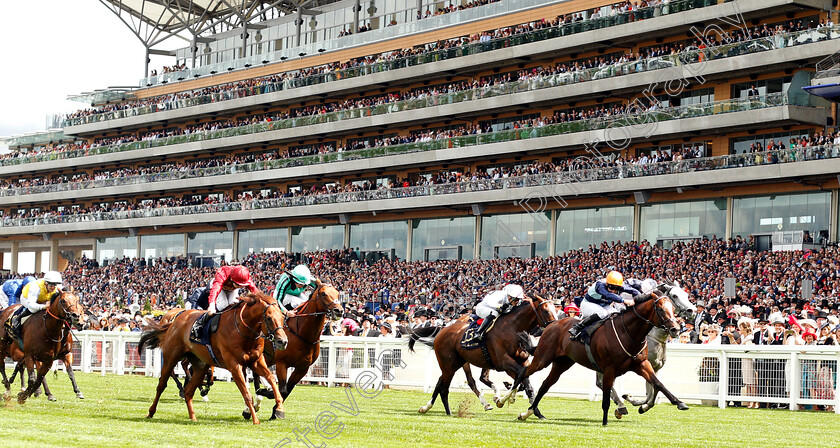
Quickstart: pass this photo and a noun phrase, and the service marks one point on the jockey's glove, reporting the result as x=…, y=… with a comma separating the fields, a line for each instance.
x=212, y=309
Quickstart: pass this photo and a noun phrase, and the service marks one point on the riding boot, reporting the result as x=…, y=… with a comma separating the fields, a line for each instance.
x=576, y=330
x=485, y=325
x=16, y=321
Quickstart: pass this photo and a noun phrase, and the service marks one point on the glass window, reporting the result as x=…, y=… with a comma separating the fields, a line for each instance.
x=162, y=246
x=767, y=214
x=113, y=248
x=380, y=237
x=683, y=219
x=262, y=240
x=211, y=244
x=442, y=237
x=515, y=235
x=579, y=228
x=310, y=239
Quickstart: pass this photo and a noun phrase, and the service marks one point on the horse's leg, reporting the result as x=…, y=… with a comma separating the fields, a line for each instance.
x=178, y=384
x=645, y=370
x=471, y=383
x=49, y=394
x=606, y=386
x=68, y=364
x=425, y=408
x=559, y=366
x=444, y=389
x=621, y=410
x=43, y=369
x=167, y=370
x=246, y=414
x=497, y=392
x=529, y=390
x=239, y=379
x=189, y=389
x=6, y=382
x=261, y=368
x=651, y=397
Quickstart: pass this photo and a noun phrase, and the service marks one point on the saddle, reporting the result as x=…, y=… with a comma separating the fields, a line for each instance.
x=8, y=326
x=588, y=331
x=470, y=340
x=204, y=327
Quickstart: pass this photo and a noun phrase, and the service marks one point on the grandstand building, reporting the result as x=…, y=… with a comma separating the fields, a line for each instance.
x=417, y=130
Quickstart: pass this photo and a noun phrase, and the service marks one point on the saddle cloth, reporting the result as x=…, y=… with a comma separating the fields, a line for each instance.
x=204, y=327
x=469, y=341
x=586, y=334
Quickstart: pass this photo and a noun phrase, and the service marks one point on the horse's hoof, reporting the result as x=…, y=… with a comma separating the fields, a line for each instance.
x=246, y=415
x=205, y=399
x=423, y=409
x=642, y=409
x=618, y=415
x=21, y=399
x=181, y=394
x=488, y=407
x=512, y=399
x=542, y=417
x=278, y=414
x=256, y=422
x=682, y=406
x=51, y=397
x=524, y=415
x=149, y=416
x=80, y=396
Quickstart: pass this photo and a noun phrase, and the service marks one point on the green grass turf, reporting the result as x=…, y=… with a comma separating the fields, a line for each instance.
x=113, y=415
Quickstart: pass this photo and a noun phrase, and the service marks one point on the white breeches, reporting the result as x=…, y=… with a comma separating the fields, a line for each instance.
x=588, y=308
x=483, y=311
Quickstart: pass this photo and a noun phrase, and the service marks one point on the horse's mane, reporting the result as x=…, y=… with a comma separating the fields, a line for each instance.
x=250, y=298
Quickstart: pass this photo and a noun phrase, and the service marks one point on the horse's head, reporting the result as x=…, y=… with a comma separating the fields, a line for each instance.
x=679, y=297
x=67, y=307
x=545, y=310
x=327, y=297
x=664, y=314
x=272, y=319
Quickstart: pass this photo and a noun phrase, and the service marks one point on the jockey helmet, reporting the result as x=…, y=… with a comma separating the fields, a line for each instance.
x=614, y=278
x=53, y=277
x=301, y=275
x=240, y=276
x=514, y=291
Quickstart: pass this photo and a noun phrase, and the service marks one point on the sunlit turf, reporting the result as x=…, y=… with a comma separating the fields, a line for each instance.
x=114, y=410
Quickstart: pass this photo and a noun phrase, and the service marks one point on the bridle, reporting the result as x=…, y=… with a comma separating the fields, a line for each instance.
x=659, y=314
x=66, y=320
x=316, y=295
x=540, y=321
x=270, y=333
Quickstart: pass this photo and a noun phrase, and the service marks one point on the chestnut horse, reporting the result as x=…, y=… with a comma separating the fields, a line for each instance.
x=617, y=347
x=304, y=332
x=237, y=343
x=44, y=334
x=502, y=343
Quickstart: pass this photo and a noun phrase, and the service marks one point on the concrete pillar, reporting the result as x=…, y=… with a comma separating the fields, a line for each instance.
x=409, y=239
x=833, y=215
x=356, y=9
x=729, y=202
x=37, y=260
x=236, y=245
x=54, y=254
x=552, y=234
x=298, y=26
x=288, y=239
x=15, y=251
x=637, y=220
x=477, y=240
x=347, y=235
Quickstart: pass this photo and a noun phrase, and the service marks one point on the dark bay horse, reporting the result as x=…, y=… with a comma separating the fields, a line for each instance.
x=66, y=356
x=237, y=343
x=304, y=333
x=502, y=346
x=44, y=334
x=617, y=347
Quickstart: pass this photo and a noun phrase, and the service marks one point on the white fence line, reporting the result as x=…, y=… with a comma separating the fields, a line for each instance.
x=789, y=376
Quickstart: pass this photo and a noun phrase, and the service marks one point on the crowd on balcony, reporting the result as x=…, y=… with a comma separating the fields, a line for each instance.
x=254, y=85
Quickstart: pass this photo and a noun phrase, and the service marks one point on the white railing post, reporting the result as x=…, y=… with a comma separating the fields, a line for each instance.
x=332, y=364
x=836, y=387
x=723, y=379
x=104, y=355
x=86, y=346
x=795, y=380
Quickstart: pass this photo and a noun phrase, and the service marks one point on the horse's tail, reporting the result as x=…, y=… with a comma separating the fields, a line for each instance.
x=525, y=342
x=425, y=335
x=151, y=336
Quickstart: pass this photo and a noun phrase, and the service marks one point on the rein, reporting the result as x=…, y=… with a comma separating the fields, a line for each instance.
x=257, y=333
x=624, y=325
x=317, y=313
x=66, y=323
x=540, y=321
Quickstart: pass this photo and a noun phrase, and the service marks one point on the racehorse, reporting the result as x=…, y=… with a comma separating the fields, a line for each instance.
x=617, y=347
x=656, y=340
x=44, y=334
x=204, y=387
x=238, y=342
x=304, y=333
x=502, y=345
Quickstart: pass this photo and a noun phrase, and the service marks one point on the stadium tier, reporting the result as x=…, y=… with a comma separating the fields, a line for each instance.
x=419, y=130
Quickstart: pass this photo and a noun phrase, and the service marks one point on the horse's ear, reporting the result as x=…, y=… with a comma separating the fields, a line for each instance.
x=318, y=283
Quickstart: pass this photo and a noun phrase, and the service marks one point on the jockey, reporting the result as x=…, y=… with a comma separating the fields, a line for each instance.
x=11, y=290
x=36, y=296
x=644, y=286
x=596, y=304
x=224, y=289
x=291, y=286
x=496, y=303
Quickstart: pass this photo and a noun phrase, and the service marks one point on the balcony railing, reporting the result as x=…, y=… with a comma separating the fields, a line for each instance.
x=641, y=119
x=425, y=58
x=539, y=180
